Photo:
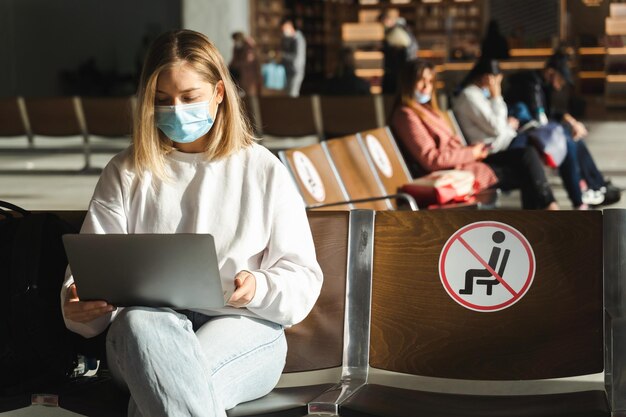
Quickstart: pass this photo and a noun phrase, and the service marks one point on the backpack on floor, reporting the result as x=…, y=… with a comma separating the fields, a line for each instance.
x=36, y=349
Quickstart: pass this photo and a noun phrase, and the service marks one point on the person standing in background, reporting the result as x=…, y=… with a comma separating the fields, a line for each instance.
x=399, y=47
x=293, y=56
x=244, y=65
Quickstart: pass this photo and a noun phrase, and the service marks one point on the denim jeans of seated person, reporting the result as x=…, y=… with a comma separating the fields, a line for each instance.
x=170, y=370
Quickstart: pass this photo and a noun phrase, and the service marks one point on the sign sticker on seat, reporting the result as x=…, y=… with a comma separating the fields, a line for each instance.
x=309, y=176
x=487, y=266
x=379, y=155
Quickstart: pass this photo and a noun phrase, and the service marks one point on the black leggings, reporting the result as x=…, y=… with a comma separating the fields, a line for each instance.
x=522, y=168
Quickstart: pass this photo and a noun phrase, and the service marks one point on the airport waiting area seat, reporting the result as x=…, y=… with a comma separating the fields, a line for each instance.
x=108, y=117
x=397, y=333
x=337, y=174
x=363, y=171
x=316, y=344
x=66, y=125
x=287, y=122
x=545, y=323
x=13, y=122
x=345, y=115
x=356, y=171
x=393, y=171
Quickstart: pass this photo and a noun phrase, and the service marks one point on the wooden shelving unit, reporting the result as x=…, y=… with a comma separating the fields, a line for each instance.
x=615, y=58
x=320, y=22
x=440, y=26
x=446, y=30
x=591, y=70
x=265, y=26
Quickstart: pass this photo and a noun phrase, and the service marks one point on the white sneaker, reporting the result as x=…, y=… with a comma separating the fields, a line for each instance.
x=593, y=197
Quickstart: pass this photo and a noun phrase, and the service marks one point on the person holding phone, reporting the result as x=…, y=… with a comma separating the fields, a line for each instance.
x=431, y=145
x=194, y=168
x=484, y=117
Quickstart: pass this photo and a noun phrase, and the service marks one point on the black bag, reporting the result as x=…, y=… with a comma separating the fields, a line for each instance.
x=37, y=351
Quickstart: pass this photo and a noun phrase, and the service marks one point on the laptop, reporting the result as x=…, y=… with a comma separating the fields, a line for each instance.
x=153, y=270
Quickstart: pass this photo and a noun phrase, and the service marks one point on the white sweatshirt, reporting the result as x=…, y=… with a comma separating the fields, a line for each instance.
x=247, y=202
x=483, y=119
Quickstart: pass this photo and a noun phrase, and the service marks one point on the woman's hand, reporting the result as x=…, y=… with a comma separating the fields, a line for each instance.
x=495, y=85
x=83, y=311
x=480, y=151
x=579, y=130
x=513, y=122
x=245, y=288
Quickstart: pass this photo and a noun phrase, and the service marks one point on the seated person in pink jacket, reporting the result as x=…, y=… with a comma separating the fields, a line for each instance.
x=430, y=145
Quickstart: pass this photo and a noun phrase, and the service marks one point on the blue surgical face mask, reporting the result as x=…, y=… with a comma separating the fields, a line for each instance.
x=184, y=123
x=486, y=92
x=422, y=98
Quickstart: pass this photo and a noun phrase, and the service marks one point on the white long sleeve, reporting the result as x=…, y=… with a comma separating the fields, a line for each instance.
x=246, y=201
x=483, y=119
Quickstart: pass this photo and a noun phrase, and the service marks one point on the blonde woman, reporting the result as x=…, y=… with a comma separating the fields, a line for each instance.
x=431, y=145
x=194, y=168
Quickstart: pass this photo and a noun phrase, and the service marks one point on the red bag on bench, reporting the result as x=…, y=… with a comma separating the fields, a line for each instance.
x=441, y=187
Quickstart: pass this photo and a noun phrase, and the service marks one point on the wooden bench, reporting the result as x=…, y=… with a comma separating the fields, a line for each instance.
x=79, y=119
x=387, y=339
x=435, y=353
x=315, y=345
x=331, y=177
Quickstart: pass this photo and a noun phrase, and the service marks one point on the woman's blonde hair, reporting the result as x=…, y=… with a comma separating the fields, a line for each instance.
x=231, y=130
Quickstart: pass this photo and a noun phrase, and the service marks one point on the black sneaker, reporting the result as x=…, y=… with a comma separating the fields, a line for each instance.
x=612, y=194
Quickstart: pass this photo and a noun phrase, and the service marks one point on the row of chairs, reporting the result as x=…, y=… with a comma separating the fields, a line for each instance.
x=362, y=171
x=282, y=122
x=84, y=117
x=359, y=171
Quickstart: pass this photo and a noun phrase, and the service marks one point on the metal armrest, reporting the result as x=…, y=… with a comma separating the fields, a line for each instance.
x=400, y=196
x=357, y=318
x=488, y=199
x=614, y=249
x=328, y=403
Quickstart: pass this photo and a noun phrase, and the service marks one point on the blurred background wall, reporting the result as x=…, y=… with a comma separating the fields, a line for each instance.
x=95, y=47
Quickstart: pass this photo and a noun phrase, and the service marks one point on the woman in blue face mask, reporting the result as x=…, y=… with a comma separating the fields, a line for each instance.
x=194, y=168
x=431, y=145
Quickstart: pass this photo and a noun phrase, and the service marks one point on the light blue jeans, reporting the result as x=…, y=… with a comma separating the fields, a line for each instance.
x=170, y=370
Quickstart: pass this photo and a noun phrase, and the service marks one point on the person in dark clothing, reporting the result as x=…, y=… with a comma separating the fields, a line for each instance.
x=293, y=55
x=495, y=45
x=534, y=90
x=399, y=47
x=345, y=82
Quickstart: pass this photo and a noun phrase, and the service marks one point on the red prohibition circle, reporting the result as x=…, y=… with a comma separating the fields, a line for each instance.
x=472, y=306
